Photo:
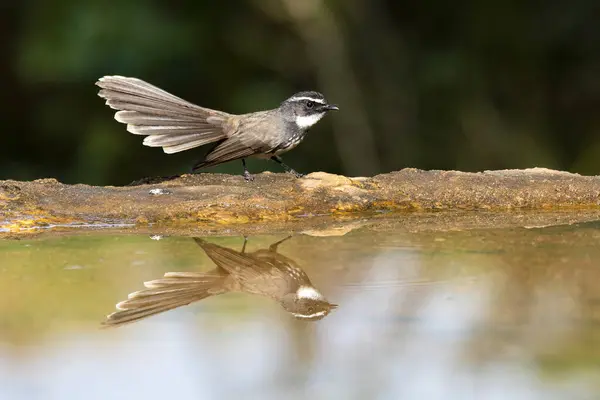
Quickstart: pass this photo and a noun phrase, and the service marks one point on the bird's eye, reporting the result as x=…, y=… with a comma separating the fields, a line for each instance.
x=310, y=104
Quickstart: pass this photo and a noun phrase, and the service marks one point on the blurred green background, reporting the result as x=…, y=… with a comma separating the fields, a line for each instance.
x=467, y=85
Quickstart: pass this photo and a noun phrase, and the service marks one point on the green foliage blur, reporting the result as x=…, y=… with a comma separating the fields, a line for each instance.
x=469, y=85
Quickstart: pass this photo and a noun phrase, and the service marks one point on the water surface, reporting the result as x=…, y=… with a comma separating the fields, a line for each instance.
x=479, y=314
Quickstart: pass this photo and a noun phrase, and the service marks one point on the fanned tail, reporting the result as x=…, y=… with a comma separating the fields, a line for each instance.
x=168, y=121
x=174, y=290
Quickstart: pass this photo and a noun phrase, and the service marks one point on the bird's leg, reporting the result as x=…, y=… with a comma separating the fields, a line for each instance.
x=244, y=245
x=197, y=166
x=247, y=175
x=287, y=169
x=274, y=246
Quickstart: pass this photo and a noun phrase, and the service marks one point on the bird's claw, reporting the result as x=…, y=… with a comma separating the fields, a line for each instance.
x=248, y=177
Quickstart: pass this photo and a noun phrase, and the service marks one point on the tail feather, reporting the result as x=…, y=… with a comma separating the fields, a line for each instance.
x=120, y=318
x=174, y=144
x=172, y=291
x=118, y=100
x=135, y=118
x=173, y=140
x=184, y=146
x=137, y=87
x=169, y=121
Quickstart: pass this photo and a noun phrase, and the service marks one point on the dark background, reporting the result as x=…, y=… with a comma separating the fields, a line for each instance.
x=469, y=85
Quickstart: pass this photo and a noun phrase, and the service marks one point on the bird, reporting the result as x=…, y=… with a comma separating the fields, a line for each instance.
x=177, y=125
x=264, y=272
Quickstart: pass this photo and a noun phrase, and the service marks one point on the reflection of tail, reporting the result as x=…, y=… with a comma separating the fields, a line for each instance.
x=174, y=290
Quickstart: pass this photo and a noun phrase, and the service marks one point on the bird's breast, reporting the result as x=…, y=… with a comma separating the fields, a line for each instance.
x=290, y=142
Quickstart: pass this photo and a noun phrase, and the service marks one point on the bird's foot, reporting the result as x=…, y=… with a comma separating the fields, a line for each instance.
x=248, y=177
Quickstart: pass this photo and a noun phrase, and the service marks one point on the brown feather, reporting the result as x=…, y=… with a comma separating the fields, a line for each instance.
x=169, y=121
x=244, y=267
x=257, y=275
x=172, y=291
x=229, y=150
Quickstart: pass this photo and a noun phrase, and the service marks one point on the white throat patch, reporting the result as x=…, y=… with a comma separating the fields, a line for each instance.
x=308, y=292
x=306, y=121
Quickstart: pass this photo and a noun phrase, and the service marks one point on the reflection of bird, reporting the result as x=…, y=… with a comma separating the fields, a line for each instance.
x=176, y=125
x=264, y=272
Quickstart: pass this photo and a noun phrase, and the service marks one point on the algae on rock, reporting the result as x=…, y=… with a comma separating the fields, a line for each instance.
x=223, y=200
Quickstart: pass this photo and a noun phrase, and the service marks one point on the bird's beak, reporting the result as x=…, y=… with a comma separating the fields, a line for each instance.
x=333, y=306
x=330, y=107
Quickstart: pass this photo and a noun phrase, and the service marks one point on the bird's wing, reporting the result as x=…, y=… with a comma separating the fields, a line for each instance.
x=296, y=276
x=247, y=135
x=232, y=149
x=168, y=121
x=244, y=268
x=229, y=150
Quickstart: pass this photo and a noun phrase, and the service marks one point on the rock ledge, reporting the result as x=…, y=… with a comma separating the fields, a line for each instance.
x=229, y=200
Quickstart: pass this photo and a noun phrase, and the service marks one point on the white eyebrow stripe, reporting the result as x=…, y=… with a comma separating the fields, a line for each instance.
x=320, y=101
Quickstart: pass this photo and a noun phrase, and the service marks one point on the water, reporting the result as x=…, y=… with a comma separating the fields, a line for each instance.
x=476, y=314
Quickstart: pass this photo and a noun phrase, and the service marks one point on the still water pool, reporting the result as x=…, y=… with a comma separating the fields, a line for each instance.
x=473, y=314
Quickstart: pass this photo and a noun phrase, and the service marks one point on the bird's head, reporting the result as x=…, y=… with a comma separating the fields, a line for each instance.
x=306, y=108
x=307, y=304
